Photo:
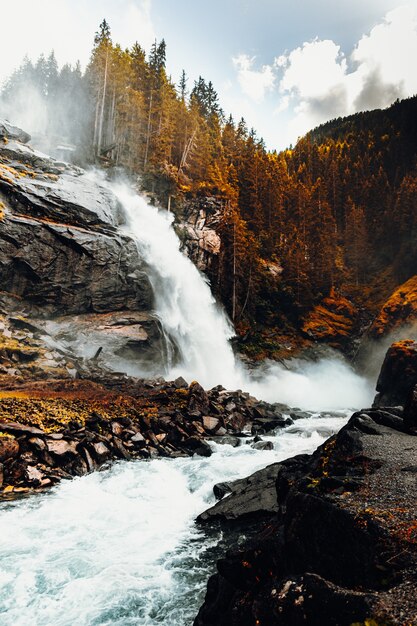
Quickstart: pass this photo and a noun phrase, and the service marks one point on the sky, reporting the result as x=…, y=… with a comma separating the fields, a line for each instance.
x=285, y=66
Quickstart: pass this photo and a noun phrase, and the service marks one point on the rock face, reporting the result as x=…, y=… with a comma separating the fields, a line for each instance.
x=63, y=256
x=198, y=232
x=342, y=548
x=399, y=309
x=60, y=250
x=398, y=374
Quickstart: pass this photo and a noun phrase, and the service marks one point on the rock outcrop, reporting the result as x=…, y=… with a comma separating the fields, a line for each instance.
x=398, y=374
x=399, y=310
x=60, y=249
x=198, y=231
x=342, y=548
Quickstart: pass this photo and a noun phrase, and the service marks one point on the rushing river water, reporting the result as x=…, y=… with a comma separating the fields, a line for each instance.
x=120, y=547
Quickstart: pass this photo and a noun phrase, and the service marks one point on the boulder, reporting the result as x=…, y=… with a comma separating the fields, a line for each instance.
x=398, y=374
x=197, y=446
x=61, y=450
x=211, y=424
x=254, y=496
x=198, y=400
x=101, y=452
x=9, y=448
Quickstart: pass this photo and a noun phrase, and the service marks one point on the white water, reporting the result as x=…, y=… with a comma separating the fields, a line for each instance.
x=119, y=547
x=201, y=330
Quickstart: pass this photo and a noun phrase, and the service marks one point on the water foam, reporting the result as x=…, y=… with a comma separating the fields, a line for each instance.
x=120, y=547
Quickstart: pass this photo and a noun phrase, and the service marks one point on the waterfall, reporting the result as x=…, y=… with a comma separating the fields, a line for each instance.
x=200, y=330
x=183, y=299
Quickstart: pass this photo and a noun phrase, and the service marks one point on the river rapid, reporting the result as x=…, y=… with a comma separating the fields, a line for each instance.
x=120, y=547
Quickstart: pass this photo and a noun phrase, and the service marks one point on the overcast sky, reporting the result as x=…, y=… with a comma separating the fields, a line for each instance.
x=285, y=66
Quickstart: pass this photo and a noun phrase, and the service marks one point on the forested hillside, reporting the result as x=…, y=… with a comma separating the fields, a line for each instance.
x=336, y=214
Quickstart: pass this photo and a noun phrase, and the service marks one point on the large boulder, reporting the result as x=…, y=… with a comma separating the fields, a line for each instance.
x=398, y=374
x=254, y=496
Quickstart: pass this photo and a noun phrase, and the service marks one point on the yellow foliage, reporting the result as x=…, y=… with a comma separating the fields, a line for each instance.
x=400, y=308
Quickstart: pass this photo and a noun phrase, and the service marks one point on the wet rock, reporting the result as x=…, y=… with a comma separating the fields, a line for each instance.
x=263, y=445
x=8, y=131
x=198, y=446
x=224, y=439
x=254, y=496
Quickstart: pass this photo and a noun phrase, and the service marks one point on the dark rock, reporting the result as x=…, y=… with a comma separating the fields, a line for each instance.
x=197, y=446
x=338, y=529
x=398, y=374
x=180, y=383
x=120, y=449
x=410, y=411
x=139, y=440
x=225, y=439
x=249, y=497
x=263, y=445
x=198, y=400
x=9, y=448
x=222, y=489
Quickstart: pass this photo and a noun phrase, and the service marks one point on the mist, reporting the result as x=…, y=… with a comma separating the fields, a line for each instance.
x=371, y=353
x=51, y=103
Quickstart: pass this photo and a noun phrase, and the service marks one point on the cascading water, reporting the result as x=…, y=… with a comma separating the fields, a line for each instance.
x=183, y=300
x=201, y=330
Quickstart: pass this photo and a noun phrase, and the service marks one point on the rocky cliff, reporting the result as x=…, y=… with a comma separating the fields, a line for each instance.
x=63, y=253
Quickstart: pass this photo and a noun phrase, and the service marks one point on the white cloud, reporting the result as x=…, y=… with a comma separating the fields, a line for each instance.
x=321, y=83
x=254, y=83
x=313, y=69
